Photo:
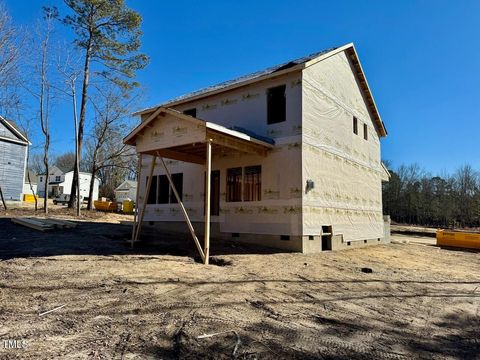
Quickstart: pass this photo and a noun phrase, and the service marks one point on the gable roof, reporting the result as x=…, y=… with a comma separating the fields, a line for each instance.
x=250, y=136
x=127, y=185
x=64, y=169
x=278, y=70
x=13, y=127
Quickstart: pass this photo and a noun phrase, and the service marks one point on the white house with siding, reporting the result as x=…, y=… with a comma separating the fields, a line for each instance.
x=294, y=154
x=60, y=182
x=126, y=191
x=13, y=160
x=30, y=186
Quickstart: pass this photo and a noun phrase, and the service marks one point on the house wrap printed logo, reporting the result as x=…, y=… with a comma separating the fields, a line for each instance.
x=14, y=344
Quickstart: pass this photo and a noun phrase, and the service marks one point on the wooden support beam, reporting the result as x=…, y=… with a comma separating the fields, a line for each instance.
x=145, y=199
x=184, y=211
x=135, y=212
x=232, y=143
x=208, y=168
x=171, y=154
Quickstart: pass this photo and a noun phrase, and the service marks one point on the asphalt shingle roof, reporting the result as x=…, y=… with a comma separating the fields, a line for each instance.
x=247, y=77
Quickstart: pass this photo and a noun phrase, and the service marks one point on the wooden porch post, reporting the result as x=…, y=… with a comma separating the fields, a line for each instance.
x=145, y=199
x=135, y=211
x=208, y=166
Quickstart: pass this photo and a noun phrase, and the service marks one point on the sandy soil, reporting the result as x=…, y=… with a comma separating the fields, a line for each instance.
x=62, y=212
x=156, y=302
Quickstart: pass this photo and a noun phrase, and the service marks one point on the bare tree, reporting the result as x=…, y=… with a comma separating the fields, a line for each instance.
x=69, y=69
x=416, y=197
x=36, y=163
x=109, y=34
x=105, y=148
x=42, y=88
x=10, y=46
x=25, y=125
x=65, y=161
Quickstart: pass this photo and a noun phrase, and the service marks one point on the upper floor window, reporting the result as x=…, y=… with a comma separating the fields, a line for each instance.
x=58, y=178
x=191, y=112
x=355, y=125
x=41, y=179
x=365, y=131
x=276, y=104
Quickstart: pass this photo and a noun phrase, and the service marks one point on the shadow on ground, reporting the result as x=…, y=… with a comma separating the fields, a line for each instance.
x=104, y=239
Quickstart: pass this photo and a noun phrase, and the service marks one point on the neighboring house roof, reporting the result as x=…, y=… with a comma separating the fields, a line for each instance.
x=63, y=169
x=13, y=127
x=287, y=67
x=55, y=182
x=127, y=185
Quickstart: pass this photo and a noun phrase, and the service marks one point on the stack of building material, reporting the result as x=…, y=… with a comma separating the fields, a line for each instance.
x=44, y=224
x=61, y=224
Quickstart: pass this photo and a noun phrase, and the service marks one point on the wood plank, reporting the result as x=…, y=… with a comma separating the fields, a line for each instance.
x=32, y=224
x=169, y=154
x=59, y=223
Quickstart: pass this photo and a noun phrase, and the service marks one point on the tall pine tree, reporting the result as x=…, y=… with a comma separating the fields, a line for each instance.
x=108, y=33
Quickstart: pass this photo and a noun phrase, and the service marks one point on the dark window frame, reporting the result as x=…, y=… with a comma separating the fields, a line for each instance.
x=152, y=194
x=276, y=104
x=252, y=183
x=355, y=125
x=234, y=184
x=177, y=180
x=161, y=192
x=365, y=131
x=191, y=112
x=163, y=195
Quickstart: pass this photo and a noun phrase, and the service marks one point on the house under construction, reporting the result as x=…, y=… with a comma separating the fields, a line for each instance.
x=288, y=157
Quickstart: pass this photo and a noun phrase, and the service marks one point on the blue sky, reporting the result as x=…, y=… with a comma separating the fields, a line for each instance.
x=421, y=59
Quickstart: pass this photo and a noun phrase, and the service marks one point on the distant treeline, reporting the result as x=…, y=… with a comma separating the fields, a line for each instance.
x=414, y=196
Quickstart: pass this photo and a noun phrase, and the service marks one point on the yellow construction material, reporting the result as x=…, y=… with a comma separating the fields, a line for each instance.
x=30, y=198
x=458, y=239
x=105, y=205
x=128, y=206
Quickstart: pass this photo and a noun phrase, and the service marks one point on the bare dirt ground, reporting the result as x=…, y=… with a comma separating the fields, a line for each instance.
x=156, y=302
x=62, y=212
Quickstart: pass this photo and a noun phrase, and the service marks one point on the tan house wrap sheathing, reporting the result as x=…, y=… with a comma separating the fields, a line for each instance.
x=345, y=167
x=315, y=143
x=279, y=211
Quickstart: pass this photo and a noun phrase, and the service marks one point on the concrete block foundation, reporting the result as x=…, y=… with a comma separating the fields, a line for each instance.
x=306, y=244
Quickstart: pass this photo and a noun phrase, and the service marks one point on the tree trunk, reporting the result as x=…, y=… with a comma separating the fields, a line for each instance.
x=45, y=198
x=83, y=107
x=3, y=200
x=90, y=190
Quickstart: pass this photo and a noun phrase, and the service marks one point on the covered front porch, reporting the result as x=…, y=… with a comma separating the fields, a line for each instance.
x=170, y=134
x=55, y=188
